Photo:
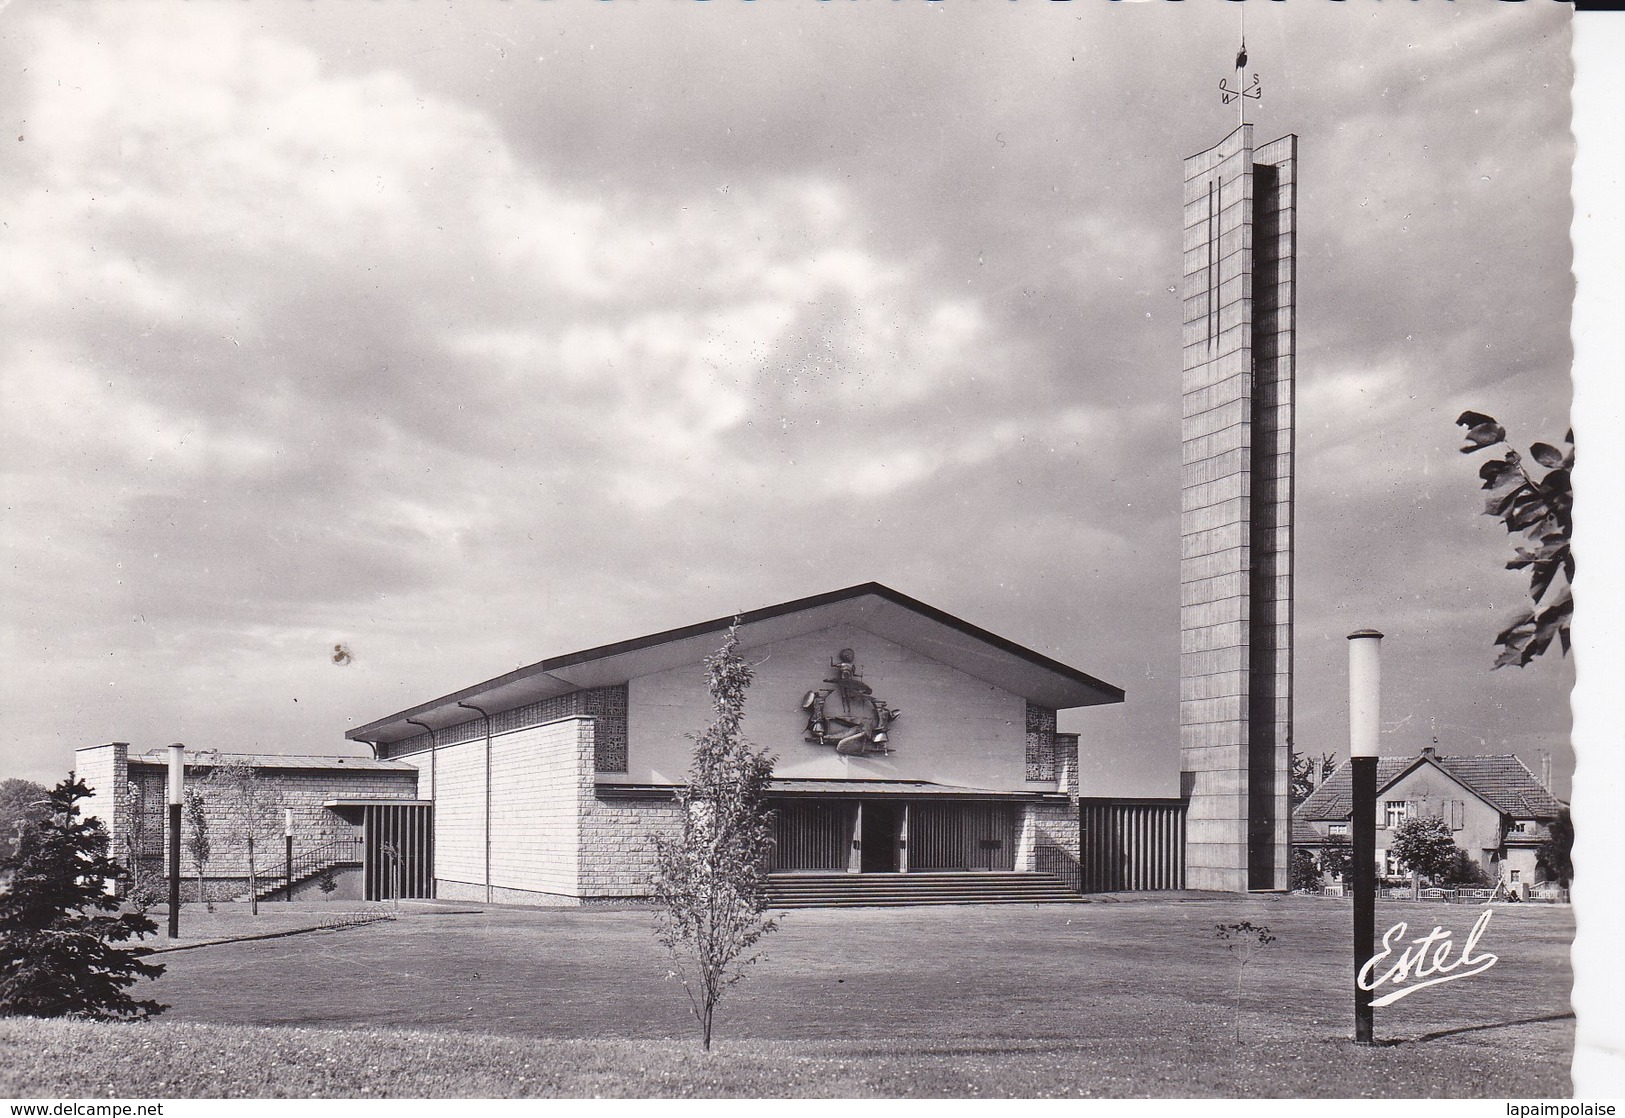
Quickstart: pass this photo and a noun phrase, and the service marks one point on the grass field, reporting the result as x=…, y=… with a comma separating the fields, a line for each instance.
x=1101, y=999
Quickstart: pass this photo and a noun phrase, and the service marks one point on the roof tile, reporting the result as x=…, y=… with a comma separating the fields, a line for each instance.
x=1504, y=781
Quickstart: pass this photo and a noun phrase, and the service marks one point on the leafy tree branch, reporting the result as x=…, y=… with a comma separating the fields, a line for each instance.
x=1539, y=509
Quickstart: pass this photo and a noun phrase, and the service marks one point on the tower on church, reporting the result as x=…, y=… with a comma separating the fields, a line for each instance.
x=1235, y=708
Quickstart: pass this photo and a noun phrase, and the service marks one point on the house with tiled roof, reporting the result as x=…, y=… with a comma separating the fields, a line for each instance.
x=1497, y=809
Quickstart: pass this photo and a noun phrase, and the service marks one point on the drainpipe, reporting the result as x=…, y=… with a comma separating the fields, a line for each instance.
x=434, y=751
x=487, y=717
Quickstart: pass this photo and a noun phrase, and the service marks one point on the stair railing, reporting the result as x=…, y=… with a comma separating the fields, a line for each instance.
x=308, y=863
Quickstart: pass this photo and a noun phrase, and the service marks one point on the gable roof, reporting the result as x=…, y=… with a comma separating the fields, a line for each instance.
x=1504, y=782
x=1334, y=798
x=1507, y=783
x=950, y=640
x=1304, y=834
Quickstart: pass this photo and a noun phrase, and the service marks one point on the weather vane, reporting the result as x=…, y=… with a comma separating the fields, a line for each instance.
x=1240, y=93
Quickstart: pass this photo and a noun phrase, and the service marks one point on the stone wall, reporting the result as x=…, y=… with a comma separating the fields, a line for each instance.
x=302, y=790
x=618, y=845
x=144, y=815
x=105, y=769
x=347, y=880
x=1066, y=765
x=1048, y=839
x=553, y=842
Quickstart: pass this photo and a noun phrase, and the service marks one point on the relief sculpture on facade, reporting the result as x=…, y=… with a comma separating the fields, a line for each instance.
x=857, y=722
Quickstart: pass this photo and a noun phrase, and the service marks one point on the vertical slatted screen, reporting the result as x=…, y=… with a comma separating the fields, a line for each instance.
x=1131, y=845
x=408, y=831
x=961, y=837
x=812, y=835
x=817, y=835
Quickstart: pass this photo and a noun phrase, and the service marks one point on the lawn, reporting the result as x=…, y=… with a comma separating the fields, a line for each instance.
x=1106, y=999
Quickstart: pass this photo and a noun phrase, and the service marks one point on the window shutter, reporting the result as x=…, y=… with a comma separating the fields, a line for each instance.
x=1458, y=810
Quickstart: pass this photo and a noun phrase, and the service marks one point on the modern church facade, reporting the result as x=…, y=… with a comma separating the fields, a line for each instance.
x=906, y=740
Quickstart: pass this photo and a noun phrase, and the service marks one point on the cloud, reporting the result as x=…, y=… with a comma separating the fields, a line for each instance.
x=471, y=336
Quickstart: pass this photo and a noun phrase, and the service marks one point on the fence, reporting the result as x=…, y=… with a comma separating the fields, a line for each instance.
x=1131, y=844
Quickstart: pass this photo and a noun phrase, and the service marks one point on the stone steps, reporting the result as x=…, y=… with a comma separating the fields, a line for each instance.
x=857, y=890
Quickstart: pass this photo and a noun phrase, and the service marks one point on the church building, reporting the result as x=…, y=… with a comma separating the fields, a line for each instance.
x=907, y=742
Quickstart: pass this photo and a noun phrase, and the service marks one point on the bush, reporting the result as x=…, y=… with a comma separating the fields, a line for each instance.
x=147, y=893
x=1463, y=870
x=1305, y=872
x=1555, y=856
x=1336, y=858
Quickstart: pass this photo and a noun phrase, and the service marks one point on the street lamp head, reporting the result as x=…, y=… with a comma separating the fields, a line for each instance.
x=177, y=770
x=1365, y=691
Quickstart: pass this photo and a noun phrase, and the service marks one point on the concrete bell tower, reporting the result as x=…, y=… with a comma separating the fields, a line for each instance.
x=1235, y=685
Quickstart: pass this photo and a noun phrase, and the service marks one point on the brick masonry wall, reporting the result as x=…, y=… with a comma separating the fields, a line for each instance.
x=459, y=811
x=302, y=790
x=104, y=769
x=1047, y=825
x=449, y=890
x=538, y=779
x=541, y=776
x=618, y=845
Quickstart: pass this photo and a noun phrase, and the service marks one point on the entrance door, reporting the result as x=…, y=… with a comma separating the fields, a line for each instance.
x=814, y=835
x=882, y=825
x=961, y=837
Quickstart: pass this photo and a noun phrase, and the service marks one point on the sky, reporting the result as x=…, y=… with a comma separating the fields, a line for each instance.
x=461, y=337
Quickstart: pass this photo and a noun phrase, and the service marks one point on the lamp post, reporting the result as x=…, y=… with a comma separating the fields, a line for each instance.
x=1365, y=688
x=287, y=837
x=177, y=779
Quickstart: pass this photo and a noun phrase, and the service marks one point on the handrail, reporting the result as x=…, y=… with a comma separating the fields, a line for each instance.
x=327, y=854
x=309, y=862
